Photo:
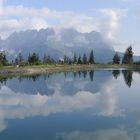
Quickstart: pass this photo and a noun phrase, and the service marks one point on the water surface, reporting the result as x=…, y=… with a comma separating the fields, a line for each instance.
x=87, y=105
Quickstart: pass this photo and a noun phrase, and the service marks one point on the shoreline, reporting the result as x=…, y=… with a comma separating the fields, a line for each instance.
x=45, y=69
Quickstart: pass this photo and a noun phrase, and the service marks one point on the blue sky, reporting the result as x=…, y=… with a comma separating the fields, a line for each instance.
x=117, y=20
x=70, y=4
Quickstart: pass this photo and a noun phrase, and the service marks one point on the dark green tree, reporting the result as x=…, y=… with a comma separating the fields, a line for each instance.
x=16, y=61
x=65, y=59
x=45, y=59
x=33, y=59
x=91, y=58
x=128, y=56
x=19, y=59
x=75, y=59
x=3, y=59
x=79, y=60
x=116, y=59
x=84, y=59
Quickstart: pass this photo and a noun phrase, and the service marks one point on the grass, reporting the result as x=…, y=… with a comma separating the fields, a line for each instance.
x=42, y=69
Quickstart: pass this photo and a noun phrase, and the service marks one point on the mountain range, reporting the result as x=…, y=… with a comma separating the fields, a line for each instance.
x=57, y=44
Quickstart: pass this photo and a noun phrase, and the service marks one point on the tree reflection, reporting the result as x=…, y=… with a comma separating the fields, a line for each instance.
x=30, y=77
x=91, y=74
x=128, y=77
x=3, y=80
x=74, y=74
x=116, y=73
x=65, y=74
x=127, y=74
x=79, y=73
x=84, y=74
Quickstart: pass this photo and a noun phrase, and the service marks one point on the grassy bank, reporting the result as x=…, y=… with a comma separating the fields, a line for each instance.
x=43, y=69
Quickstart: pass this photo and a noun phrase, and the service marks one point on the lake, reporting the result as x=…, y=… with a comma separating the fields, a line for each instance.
x=84, y=105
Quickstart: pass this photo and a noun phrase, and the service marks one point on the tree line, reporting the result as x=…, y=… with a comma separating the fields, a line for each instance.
x=33, y=59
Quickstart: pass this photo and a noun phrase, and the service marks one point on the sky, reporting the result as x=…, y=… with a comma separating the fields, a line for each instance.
x=117, y=20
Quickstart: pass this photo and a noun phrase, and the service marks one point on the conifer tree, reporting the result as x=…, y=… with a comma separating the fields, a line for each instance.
x=3, y=59
x=33, y=59
x=79, y=60
x=128, y=56
x=45, y=59
x=116, y=59
x=84, y=59
x=91, y=58
x=75, y=59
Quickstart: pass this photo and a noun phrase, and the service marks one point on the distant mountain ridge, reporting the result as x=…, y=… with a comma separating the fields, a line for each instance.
x=57, y=44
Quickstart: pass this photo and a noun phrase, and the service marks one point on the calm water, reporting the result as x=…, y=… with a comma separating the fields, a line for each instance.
x=88, y=105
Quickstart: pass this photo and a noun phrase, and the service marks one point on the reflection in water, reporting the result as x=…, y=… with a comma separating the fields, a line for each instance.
x=103, y=134
x=91, y=102
x=91, y=73
x=16, y=105
x=84, y=74
x=69, y=94
x=128, y=77
x=3, y=80
x=116, y=73
x=32, y=77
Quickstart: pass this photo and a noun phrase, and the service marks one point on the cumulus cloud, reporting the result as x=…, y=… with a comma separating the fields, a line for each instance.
x=111, y=20
x=16, y=18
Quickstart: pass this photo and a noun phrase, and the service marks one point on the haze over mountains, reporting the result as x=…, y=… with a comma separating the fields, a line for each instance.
x=57, y=44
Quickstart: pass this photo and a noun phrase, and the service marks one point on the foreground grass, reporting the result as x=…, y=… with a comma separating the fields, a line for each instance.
x=43, y=69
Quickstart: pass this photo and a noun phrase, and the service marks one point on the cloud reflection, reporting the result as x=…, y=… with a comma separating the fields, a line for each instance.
x=104, y=134
x=15, y=105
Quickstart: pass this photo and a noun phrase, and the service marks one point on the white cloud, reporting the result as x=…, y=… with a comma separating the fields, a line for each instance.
x=111, y=21
x=16, y=18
